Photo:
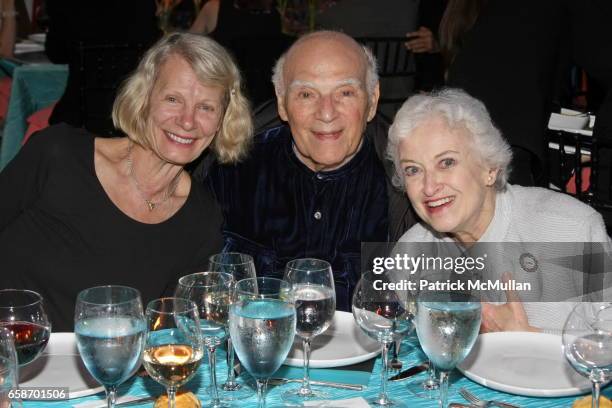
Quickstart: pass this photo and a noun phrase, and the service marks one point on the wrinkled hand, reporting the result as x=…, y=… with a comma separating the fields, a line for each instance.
x=510, y=316
x=422, y=40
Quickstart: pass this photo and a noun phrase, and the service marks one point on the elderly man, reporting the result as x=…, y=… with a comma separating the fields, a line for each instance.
x=315, y=188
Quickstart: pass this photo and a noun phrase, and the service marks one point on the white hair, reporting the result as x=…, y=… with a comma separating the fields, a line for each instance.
x=371, y=65
x=458, y=109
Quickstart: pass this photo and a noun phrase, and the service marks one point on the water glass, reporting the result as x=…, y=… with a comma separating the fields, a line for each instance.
x=587, y=343
x=386, y=316
x=262, y=327
x=109, y=327
x=23, y=313
x=211, y=292
x=240, y=266
x=9, y=371
x=447, y=325
x=173, y=343
x=314, y=294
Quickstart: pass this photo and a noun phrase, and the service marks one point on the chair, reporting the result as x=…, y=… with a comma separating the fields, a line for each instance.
x=579, y=165
x=396, y=68
x=102, y=68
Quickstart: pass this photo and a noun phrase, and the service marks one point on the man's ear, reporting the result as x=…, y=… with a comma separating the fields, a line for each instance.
x=280, y=105
x=373, y=102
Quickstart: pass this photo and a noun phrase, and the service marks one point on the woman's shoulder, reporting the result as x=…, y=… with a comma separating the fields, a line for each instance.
x=549, y=203
x=61, y=135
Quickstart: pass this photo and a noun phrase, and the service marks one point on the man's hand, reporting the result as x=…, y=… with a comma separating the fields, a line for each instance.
x=510, y=316
x=422, y=40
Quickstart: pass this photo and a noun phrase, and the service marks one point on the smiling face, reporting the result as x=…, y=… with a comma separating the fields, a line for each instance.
x=325, y=101
x=450, y=189
x=184, y=114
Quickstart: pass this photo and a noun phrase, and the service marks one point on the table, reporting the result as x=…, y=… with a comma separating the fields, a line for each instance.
x=34, y=87
x=410, y=355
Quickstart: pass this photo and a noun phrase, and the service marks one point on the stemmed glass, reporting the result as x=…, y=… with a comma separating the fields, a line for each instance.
x=447, y=325
x=312, y=284
x=173, y=345
x=385, y=315
x=110, y=328
x=240, y=266
x=211, y=292
x=262, y=327
x=587, y=343
x=23, y=313
x=9, y=372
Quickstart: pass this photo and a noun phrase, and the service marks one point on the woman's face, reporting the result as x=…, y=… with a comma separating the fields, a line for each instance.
x=185, y=115
x=450, y=189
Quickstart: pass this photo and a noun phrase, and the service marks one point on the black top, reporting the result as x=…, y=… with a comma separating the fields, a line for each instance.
x=60, y=233
x=277, y=209
x=515, y=56
x=256, y=41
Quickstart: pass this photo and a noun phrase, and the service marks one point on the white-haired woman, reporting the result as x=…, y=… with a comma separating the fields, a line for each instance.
x=453, y=164
x=79, y=210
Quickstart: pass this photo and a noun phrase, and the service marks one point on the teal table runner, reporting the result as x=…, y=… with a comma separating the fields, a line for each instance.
x=410, y=355
x=34, y=87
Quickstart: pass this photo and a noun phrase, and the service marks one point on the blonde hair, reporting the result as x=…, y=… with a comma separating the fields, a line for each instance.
x=213, y=66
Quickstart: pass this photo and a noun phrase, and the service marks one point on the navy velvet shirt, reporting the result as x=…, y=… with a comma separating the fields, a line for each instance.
x=277, y=209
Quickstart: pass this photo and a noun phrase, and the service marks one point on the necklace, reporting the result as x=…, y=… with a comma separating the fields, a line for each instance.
x=151, y=205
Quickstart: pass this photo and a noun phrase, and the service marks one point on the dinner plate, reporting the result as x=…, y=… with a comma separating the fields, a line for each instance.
x=38, y=37
x=60, y=366
x=530, y=364
x=24, y=47
x=343, y=343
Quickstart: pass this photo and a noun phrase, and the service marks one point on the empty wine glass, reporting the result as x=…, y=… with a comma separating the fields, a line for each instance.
x=240, y=266
x=110, y=328
x=262, y=327
x=447, y=325
x=385, y=315
x=173, y=345
x=211, y=292
x=312, y=284
x=8, y=367
x=23, y=313
x=587, y=343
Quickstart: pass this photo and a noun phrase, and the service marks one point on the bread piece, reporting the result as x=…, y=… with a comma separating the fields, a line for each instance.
x=183, y=400
x=585, y=402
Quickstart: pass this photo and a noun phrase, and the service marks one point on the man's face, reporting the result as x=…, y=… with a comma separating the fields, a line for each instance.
x=326, y=101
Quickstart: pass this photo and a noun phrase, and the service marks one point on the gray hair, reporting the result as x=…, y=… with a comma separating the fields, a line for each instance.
x=371, y=65
x=459, y=110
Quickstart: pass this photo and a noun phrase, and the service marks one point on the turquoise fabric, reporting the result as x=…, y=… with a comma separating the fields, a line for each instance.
x=34, y=87
x=410, y=355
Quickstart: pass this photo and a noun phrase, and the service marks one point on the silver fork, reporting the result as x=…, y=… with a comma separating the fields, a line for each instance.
x=395, y=363
x=479, y=403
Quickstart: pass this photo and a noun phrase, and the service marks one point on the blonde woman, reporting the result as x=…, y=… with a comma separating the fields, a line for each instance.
x=79, y=211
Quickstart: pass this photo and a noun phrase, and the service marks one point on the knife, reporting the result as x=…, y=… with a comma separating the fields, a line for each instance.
x=410, y=372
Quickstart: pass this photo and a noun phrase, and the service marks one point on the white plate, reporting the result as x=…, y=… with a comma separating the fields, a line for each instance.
x=530, y=364
x=38, y=37
x=25, y=47
x=60, y=366
x=343, y=343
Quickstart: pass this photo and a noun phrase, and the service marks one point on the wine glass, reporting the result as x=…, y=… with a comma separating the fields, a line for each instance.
x=110, y=328
x=211, y=292
x=23, y=313
x=173, y=344
x=385, y=315
x=240, y=266
x=312, y=284
x=8, y=367
x=447, y=325
x=262, y=327
x=587, y=343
